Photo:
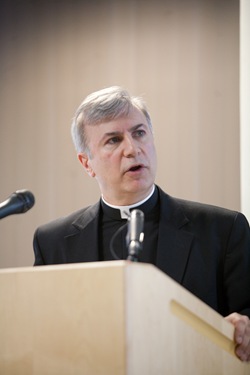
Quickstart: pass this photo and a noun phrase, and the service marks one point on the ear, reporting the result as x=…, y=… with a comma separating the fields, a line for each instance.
x=84, y=160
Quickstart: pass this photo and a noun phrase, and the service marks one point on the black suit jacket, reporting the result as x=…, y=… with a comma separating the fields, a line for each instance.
x=204, y=248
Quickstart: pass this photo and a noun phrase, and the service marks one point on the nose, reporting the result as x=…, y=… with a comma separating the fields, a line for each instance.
x=131, y=148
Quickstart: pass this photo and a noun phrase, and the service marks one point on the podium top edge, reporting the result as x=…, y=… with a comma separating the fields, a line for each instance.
x=72, y=266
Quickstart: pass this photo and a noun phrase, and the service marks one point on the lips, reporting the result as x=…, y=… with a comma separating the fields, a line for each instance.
x=135, y=168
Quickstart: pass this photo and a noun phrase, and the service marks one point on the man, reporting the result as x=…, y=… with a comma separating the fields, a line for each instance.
x=204, y=248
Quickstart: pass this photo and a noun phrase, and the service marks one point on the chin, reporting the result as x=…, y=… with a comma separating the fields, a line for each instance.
x=140, y=188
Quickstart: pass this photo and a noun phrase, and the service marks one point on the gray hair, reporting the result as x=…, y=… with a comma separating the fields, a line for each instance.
x=102, y=106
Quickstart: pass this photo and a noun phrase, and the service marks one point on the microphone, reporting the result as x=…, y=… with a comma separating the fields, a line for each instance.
x=135, y=234
x=17, y=203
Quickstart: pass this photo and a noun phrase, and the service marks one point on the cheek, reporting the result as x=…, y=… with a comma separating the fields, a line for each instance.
x=102, y=163
x=153, y=158
x=151, y=151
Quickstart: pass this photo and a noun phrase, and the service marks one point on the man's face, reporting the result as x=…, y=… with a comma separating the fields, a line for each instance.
x=122, y=158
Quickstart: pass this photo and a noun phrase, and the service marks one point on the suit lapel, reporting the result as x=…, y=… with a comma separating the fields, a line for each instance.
x=174, y=243
x=82, y=240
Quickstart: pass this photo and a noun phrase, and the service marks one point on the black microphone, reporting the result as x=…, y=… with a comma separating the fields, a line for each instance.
x=135, y=234
x=17, y=203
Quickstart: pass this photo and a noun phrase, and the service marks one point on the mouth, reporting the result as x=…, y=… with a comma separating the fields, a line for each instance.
x=135, y=168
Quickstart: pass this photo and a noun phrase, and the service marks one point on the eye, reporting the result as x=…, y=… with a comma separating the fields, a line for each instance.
x=113, y=140
x=139, y=133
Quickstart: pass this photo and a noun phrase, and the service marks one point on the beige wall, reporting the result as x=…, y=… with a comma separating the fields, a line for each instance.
x=244, y=106
x=183, y=56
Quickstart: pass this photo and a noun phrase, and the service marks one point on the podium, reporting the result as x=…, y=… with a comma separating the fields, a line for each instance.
x=114, y=318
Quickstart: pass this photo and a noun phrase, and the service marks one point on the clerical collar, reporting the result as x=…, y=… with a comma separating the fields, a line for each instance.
x=125, y=210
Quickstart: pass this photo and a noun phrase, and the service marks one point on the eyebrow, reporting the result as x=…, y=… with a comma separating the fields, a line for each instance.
x=115, y=133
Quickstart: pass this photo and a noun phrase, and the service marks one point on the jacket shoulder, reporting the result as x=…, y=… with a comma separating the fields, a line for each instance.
x=66, y=224
x=196, y=211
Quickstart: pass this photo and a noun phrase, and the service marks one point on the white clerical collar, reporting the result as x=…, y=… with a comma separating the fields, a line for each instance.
x=125, y=210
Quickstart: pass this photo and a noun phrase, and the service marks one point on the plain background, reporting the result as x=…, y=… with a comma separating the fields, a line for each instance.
x=182, y=56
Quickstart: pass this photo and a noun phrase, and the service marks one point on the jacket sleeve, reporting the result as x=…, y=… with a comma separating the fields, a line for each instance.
x=39, y=261
x=237, y=267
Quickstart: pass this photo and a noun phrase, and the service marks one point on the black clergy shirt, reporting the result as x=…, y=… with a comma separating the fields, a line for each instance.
x=111, y=222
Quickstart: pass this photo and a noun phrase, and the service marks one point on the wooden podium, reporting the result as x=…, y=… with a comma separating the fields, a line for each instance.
x=108, y=318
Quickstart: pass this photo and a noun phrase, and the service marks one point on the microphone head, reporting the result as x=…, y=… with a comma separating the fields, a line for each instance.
x=136, y=224
x=135, y=234
x=17, y=203
x=27, y=199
